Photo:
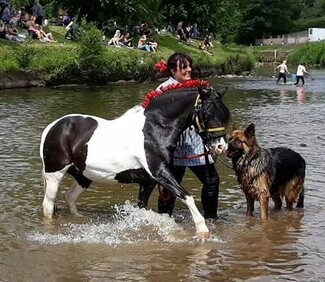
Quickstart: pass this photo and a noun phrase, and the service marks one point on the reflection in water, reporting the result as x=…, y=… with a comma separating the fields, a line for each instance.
x=301, y=94
x=116, y=241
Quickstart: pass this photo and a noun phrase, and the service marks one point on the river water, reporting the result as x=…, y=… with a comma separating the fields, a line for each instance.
x=116, y=241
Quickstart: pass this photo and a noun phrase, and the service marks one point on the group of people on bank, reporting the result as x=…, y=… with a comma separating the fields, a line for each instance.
x=283, y=69
x=144, y=43
x=31, y=22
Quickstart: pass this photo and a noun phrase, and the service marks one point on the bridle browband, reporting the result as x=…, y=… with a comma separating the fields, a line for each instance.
x=197, y=108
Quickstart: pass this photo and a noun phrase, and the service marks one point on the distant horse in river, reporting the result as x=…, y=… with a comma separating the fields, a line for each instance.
x=136, y=147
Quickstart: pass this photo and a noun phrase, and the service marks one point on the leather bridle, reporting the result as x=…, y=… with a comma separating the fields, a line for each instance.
x=196, y=119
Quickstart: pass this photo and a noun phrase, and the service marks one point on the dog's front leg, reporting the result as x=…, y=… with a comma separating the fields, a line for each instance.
x=250, y=205
x=264, y=202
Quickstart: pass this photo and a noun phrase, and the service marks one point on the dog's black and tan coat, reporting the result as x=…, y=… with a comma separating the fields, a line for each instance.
x=266, y=173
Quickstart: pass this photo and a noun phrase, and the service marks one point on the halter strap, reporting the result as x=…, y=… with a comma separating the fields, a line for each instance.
x=196, y=119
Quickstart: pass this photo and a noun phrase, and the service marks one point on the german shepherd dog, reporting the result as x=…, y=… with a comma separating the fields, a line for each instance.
x=266, y=173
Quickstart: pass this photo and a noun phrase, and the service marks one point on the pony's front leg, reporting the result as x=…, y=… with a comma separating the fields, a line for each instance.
x=202, y=231
x=167, y=180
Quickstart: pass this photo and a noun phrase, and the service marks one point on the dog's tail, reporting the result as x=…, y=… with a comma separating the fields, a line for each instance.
x=300, y=203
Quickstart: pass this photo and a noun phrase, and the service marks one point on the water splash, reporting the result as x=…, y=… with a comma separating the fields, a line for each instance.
x=129, y=225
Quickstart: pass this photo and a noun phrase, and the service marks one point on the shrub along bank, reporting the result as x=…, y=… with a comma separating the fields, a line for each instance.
x=89, y=61
x=312, y=53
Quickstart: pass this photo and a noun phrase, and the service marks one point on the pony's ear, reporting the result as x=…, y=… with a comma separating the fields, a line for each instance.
x=205, y=91
x=250, y=130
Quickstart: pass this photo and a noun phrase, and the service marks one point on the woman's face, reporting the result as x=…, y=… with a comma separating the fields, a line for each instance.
x=182, y=74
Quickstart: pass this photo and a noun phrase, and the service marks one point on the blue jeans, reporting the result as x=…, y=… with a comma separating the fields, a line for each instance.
x=145, y=47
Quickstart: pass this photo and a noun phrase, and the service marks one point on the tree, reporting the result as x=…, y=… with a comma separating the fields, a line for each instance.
x=264, y=18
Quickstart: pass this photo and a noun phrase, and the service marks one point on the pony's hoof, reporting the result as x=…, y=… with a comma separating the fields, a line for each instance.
x=202, y=236
x=77, y=214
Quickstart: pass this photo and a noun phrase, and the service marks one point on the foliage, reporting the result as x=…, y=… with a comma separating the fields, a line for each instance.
x=308, y=23
x=91, y=49
x=310, y=53
x=239, y=21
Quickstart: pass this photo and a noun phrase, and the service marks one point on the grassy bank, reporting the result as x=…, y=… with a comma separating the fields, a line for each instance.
x=313, y=54
x=89, y=61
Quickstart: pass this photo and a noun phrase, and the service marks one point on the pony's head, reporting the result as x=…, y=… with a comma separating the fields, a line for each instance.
x=210, y=117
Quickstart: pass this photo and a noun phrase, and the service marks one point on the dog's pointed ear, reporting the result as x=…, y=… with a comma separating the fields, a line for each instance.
x=250, y=130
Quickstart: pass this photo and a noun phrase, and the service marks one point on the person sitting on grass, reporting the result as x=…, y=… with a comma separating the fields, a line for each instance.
x=143, y=45
x=6, y=14
x=3, y=31
x=206, y=44
x=153, y=44
x=24, y=18
x=127, y=40
x=14, y=33
x=43, y=36
x=116, y=39
x=31, y=27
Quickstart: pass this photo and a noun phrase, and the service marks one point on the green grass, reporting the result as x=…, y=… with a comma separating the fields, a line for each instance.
x=90, y=61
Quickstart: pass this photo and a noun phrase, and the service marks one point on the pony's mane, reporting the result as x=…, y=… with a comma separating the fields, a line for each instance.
x=186, y=84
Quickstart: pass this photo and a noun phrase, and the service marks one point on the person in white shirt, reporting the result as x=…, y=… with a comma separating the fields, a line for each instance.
x=301, y=70
x=282, y=73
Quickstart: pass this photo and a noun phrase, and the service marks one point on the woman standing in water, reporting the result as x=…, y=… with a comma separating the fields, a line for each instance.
x=179, y=66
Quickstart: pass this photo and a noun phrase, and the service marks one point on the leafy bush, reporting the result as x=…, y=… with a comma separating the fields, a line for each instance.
x=310, y=53
x=91, y=49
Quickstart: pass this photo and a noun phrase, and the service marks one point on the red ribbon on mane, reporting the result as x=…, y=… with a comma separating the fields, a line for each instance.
x=186, y=84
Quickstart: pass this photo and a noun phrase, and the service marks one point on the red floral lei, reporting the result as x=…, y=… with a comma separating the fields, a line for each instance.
x=186, y=84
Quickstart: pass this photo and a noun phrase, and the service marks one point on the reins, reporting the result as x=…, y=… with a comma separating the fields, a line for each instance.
x=192, y=156
x=166, y=197
x=202, y=155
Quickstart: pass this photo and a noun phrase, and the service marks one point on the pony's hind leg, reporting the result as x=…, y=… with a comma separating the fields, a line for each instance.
x=81, y=183
x=51, y=186
x=71, y=196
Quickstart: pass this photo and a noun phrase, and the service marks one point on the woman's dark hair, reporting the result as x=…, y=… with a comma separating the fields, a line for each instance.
x=183, y=60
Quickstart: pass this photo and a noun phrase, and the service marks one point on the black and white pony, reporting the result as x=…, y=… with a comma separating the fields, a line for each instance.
x=136, y=147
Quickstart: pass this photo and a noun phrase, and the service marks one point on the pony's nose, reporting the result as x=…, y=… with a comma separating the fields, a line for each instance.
x=221, y=146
